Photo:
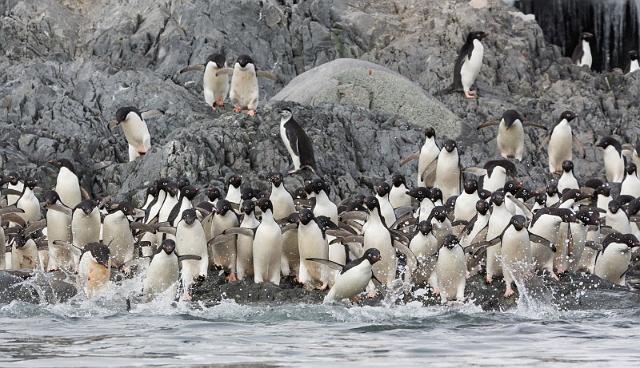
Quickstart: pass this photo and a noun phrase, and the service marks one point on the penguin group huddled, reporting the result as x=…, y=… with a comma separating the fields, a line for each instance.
x=454, y=223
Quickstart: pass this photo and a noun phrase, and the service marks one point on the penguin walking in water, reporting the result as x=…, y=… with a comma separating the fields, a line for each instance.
x=267, y=246
x=67, y=183
x=297, y=142
x=613, y=159
x=582, y=53
x=376, y=235
x=215, y=86
x=633, y=64
x=561, y=142
x=398, y=196
x=14, y=184
x=427, y=159
x=448, y=170
x=163, y=272
x=25, y=252
x=244, y=90
x=94, y=269
x=353, y=277
x=135, y=129
x=58, y=218
x=543, y=232
x=517, y=264
x=312, y=243
x=117, y=235
x=468, y=64
x=425, y=246
x=631, y=183
x=85, y=224
x=451, y=270
x=190, y=240
x=510, y=137
x=612, y=263
x=567, y=179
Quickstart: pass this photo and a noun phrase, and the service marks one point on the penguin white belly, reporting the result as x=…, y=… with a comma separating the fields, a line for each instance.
x=378, y=236
x=603, y=202
x=163, y=274
x=30, y=205
x=423, y=212
x=451, y=270
x=68, y=188
x=338, y=254
x=511, y=141
x=428, y=153
x=324, y=207
x=612, y=264
x=387, y=211
x=471, y=66
x=59, y=228
x=560, y=145
x=618, y=222
x=398, y=197
x=290, y=253
x=155, y=208
x=613, y=165
x=214, y=87
x=480, y=224
x=118, y=237
x=631, y=186
x=561, y=258
x=234, y=195
x=542, y=257
x=244, y=249
x=85, y=229
x=465, y=207
x=633, y=66
x=137, y=134
x=267, y=251
x=163, y=215
x=425, y=249
x=311, y=244
x=26, y=257
x=19, y=187
x=282, y=203
x=497, y=223
x=224, y=254
x=586, y=58
x=567, y=181
x=190, y=240
x=448, y=174
x=244, y=89
x=92, y=277
x=496, y=181
x=351, y=283
x=517, y=264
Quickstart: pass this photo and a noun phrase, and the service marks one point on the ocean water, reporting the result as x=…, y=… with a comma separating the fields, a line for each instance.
x=102, y=332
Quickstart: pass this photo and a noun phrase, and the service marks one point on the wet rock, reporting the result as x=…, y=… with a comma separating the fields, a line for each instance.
x=30, y=287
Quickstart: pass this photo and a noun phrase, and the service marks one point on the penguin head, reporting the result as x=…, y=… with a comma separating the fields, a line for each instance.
x=275, y=179
x=383, y=189
x=51, y=197
x=574, y=194
x=586, y=36
x=123, y=113
x=505, y=166
x=565, y=214
x=424, y=227
x=223, y=206
x=435, y=194
x=567, y=166
x=248, y=194
x=625, y=198
x=439, y=213
x=357, y=203
x=285, y=114
x=470, y=185
x=190, y=216
x=610, y=141
x=319, y=185
x=541, y=198
x=11, y=178
x=99, y=252
x=168, y=246
x=265, y=204
x=567, y=115
x=476, y=35
x=552, y=188
x=603, y=190
x=244, y=61
x=398, y=179
x=172, y=188
x=235, y=181
x=86, y=206
x=482, y=207
x=512, y=186
x=182, y=182
x=524, y=194
x=248, y=207
x=308, y=187
x=299, y=193
x=372, y=255
x=62, y=162
x=190, y=192
x=419, y=193
x=588, y=216
x=31, y=183
x=633, y=55
x=163, y=183
x=631, y=168
x=630, y=240
x=213, y=193
x=126, y=208
x=371, y=203
x=450, y=145
x=152, y=189
x=614, y=206
x=450, y=204
x=450, y=241
x=218, y=60
x=305, y=216
x=519, y=222
x=497, y=198
x=510, y=117
x=484, y=194
x=429, y=133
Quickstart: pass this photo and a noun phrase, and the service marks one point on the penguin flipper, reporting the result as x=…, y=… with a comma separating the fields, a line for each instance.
x=189, y=257
x=538, y=126
x=338, y=233
x=349, y=239
x=85, y=195
x=406, y=220
x=150, y=114
x=266, y=74
x=9, y=191
x=488, y=124
x=34, y=226
x=354, y=215
x=399, y=237
x=542, y=241
x=10, y=209
x=354, y=225
x=12, y=217
x=412, y=260
x=346, y=228
x=411, y=157
x=191, y=68
x=289, y=227
x=239, y=231
x=331, y=264
x=222, y=239
x=429, y=174
x=477, y=171
x=167, y=230
x=224, y=71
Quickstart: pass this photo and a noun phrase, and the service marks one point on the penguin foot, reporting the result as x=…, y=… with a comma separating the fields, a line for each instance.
x=509, y=293
x=554, y=276
x=488, y=279
x=324, y=286
x=372, y=294
x=219, y=102
x=232, y=277
x=471, y=95
x=251, y=112
x=237, y=108
x=436, y=291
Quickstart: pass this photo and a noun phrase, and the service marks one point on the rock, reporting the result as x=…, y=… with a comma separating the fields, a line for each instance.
x=371, y=86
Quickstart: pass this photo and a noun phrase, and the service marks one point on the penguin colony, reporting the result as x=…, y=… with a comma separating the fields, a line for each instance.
x=454, y=223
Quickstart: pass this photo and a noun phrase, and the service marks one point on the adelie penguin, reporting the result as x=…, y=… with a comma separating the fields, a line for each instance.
x=567, y=179
x=398, y=196
x=67, y=183
x=510, y=137
x=468, y=64
x=15, y=183
x=427, y=159
x=582, y=53
x=451, y=270
x=561, y=142
x=612, y=263
x=613, y=159
x=215, y=86
x=94, y=269
x=633, y=64
x=448, y=170
x=244, y=92
x=297, y=142
x=135, y=129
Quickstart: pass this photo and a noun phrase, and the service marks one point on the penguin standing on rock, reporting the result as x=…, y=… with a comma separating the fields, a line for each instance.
x=633, y=62
x=427, y=159
x=234, y=194
x=510, y=137
x=135, y=129
x=216, y=87
x=582, y=53
x=567, y=179
x=613, y=159
x=468, y=64
x=297, y=142
x=448, y=170
x=398, y=196
x=267, y=246
x=67, y=183
x=561, y=142
x=451, y=270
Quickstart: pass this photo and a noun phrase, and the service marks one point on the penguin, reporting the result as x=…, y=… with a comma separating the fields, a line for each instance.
x=244, y=255
x=24, y=253
x=185, y=201
x=169, y=203
x=58, y=228
x=398, y=196
x=613, y=159
x=163, y=272
x=582, y=53
x=448, y=170
x=425, y=247
x=617, y=218
x=297, y=142
x=476, y=230
x=631, y=183
x=153, y=209
x=561, y=142
x=543, y=233
x=224, y=254
x=283, y=207
x=427, y=159
x=267, y=246
x=213, y=195
x=468, y=64
x=613, y=262
x=425, y=204
x=498, y=221
x=493, y=175
x=517, y=264
x=244, y=90
x=451, y=270
x=603, y=196
x=633, y=62
x=190, y=240
x=14, y=183
x=234, y=194
x=567, y=179
x=94, y=269
x=135, y=130
x=323, y=205
x=312, y=243
x=552, y=195
x=67, y=183
x=382, y=195
x=376, y=235
x=353, y=277
x=28, y=202
x=117, y=235
x=588, y=219
x=215, y=86
x=85, y=224
x=510, y=137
